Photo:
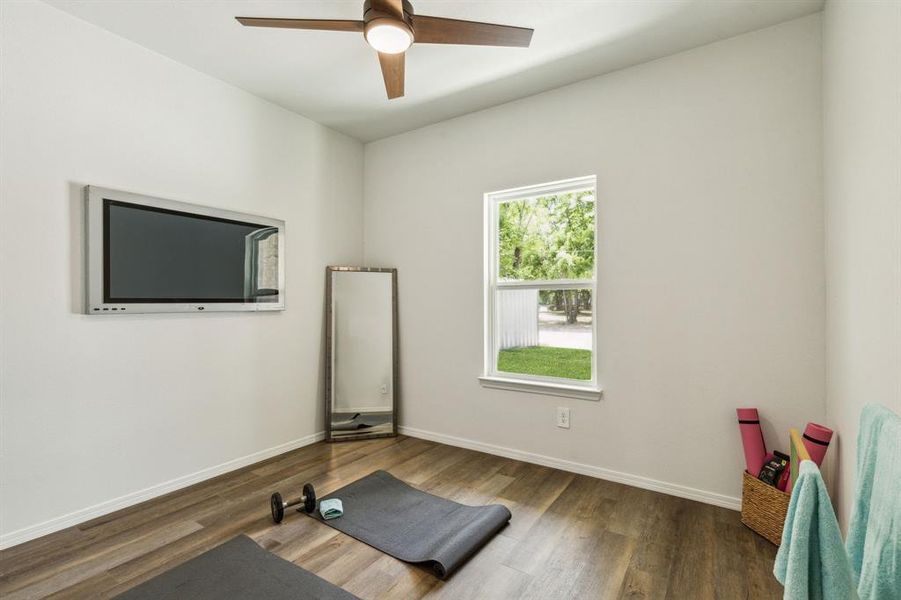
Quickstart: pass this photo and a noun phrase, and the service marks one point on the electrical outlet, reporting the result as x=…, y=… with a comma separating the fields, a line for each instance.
x=563, y=417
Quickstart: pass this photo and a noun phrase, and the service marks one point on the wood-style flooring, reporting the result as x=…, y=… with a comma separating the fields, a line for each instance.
x=571, y=536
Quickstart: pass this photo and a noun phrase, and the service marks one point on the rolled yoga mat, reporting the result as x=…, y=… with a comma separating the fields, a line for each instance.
x=414, y=526
x=816, y=439
x=752, y=439
x=238, y=570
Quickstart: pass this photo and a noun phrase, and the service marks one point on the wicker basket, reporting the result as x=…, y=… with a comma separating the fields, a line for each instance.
x=763, y=508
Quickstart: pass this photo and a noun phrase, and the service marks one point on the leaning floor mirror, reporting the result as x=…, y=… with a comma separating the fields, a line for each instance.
x=361, y=353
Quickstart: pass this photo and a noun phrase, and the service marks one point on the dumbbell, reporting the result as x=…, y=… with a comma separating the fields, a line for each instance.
x=278, y=505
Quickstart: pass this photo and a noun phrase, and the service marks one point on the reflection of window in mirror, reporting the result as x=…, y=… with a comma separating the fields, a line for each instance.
x=261, y=265
x=267, y=262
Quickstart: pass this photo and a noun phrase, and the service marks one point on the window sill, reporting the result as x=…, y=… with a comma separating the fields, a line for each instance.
x=541, y=387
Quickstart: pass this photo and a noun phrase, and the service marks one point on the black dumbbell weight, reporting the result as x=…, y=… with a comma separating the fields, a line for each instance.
x=278, y=506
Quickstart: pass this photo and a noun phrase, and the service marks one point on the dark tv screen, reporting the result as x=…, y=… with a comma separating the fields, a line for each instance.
x=159, y=255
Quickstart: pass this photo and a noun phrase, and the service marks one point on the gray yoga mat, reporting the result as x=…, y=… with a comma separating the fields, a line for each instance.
x=414, y=526
x=237, y=570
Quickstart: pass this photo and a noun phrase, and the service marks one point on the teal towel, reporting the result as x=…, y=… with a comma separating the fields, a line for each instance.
x=811, y=562
x=331, y=508
x=874, y=534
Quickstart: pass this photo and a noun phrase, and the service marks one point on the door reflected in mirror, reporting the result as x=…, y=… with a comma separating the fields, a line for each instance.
x=361, y=353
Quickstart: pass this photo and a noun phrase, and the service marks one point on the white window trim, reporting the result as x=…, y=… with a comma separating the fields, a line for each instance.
x=580, y=392
x=553, y=386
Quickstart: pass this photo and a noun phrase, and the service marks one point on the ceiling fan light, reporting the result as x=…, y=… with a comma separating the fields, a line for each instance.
x=389, y=38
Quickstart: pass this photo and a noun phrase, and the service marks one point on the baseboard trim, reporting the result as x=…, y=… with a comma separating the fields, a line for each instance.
x=92, y=512
x=573, y=467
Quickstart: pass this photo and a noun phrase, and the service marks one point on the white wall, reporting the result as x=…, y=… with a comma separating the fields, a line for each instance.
x=94, y=408
x=862, y=187
x=711, y=289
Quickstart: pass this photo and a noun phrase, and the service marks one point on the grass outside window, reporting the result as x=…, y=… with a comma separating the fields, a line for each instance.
x=566, y=363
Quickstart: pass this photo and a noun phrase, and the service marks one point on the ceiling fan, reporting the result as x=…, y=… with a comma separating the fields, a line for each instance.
x=390, y=27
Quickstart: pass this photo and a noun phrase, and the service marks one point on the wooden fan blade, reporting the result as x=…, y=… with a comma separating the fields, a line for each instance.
x=438, y=30
x=393, y=73
x=322, y=24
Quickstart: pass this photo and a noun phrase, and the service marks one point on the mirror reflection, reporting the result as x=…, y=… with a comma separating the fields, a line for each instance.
x=361, y=353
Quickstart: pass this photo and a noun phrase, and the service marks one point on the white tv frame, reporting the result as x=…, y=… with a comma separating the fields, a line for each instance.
x=94, y=298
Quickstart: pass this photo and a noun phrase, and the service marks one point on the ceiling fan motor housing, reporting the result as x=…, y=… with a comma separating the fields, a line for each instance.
x=385, y=14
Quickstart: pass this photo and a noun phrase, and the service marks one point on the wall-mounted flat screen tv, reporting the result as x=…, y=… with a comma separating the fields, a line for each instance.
x=148, y=254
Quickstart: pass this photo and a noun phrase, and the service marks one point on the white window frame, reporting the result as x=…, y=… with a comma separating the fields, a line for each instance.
x=491, y=377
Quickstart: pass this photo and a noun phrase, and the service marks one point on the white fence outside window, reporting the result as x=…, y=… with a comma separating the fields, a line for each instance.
x=517, y=313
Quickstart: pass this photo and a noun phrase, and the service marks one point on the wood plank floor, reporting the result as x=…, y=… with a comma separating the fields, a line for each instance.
x=571, y=536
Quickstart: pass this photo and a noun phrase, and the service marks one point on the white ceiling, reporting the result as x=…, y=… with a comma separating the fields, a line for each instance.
x=334, y=77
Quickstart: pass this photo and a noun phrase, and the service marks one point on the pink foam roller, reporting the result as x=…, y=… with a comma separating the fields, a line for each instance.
x=751, y=439
x=816, y=439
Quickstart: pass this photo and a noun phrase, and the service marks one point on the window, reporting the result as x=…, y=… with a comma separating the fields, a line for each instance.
x=540, y=287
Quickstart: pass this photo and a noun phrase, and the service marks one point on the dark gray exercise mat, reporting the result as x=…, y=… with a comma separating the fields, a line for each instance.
x=414, y=526
x=238, y=569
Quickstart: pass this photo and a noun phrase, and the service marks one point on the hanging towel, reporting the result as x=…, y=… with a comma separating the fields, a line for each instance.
x=874, y=533
x=811, y=562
